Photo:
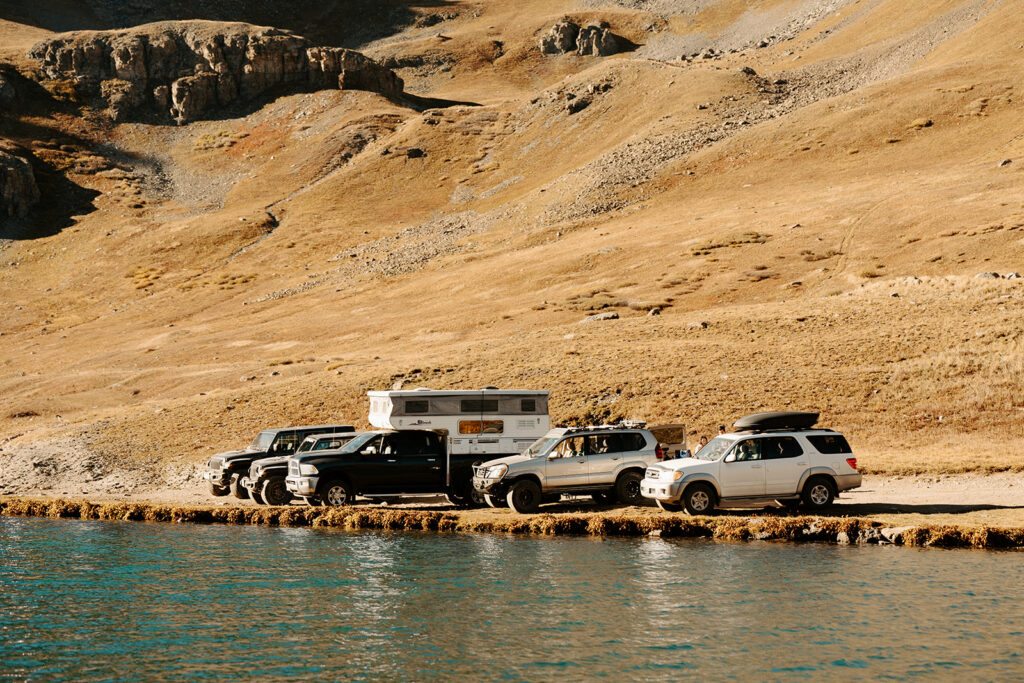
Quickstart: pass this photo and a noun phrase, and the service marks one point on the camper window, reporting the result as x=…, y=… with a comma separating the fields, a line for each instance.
x=528, y=405
x=421, y=406
x=481, y=427
x=479, y=405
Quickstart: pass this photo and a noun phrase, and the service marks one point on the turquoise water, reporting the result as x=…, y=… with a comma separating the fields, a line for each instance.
x=84, y=600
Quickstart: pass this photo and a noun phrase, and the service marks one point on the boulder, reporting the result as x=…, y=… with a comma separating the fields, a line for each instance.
x=988, y=276
x=595, y=39
x=597, y=317
x=18, y=190
x=188, y=70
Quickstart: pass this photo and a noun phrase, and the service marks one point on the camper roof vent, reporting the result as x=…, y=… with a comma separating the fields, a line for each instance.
x=422, y=389
x=490, y=388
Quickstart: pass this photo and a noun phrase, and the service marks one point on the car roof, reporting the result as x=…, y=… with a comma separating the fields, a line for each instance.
x=326, y=428
x=780, y=432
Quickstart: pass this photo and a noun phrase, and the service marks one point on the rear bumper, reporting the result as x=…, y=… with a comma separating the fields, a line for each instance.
x=845, y=482
x=301, y=486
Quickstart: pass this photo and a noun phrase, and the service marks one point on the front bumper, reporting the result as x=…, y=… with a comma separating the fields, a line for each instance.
x=488, y=486
x=218, y=477
x=660, y=489
x=300, y=485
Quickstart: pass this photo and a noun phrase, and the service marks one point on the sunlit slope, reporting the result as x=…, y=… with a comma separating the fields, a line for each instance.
x=285, y=262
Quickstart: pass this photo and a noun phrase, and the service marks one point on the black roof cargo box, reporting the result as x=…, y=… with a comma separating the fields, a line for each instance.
x=780, y=419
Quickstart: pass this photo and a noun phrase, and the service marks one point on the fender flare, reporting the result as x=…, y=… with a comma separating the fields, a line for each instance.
x=700, y=477
x=816, y=471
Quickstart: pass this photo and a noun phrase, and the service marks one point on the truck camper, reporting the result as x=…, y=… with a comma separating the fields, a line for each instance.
x=488, y=423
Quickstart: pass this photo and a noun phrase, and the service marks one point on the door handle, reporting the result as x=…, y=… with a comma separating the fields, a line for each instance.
x=431, y=459
x=755, y=467
x=392, y=460
x=581, y=460
x=436, y=467
x=801, y=463
x=615, y=457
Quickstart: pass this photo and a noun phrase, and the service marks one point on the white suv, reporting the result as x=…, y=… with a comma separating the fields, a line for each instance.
x=604, y=462
x=774, y=456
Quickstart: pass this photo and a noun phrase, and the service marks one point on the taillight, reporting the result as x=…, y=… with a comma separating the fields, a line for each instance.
x=852, y=462
x=659, y=452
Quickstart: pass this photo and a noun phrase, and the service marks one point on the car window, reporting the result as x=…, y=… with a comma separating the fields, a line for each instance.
x=778, y=447
x=748, y=449
x=568, y=448
x=830, y=443
x=286, y=443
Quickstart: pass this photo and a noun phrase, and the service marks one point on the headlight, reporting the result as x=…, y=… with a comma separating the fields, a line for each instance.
x=497, y=472
x=676, y=476
x=307, y=470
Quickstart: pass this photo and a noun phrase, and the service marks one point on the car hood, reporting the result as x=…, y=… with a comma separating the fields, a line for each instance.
x=510, y=460
x=274, y=460
x=682, y=464
x=235, y=455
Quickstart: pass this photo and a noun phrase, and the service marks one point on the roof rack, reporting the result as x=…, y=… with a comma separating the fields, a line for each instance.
x=624, y=424
x=779, y=420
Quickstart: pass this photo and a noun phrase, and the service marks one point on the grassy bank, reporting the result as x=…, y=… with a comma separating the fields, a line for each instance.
x=822, y=529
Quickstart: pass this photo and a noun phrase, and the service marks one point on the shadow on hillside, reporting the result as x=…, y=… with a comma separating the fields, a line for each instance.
x=421, y=103
x=335, y=23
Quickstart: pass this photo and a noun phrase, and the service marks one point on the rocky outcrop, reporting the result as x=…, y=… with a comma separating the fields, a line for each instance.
x=189, y=70
x=567, y=36
x=18, y=190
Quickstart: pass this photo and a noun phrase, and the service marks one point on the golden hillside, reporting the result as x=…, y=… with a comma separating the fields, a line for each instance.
x=805, y=204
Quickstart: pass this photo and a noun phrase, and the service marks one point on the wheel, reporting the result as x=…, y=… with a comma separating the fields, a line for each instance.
x=603, y=498
x=218, y=490
x=275, y=492
x=495, y=501
x=337, y=493
x=524, y=496
x=818, y=493
x=312, y=502
x=627, y=488
x=463, y=495
x=669, y=507
x=237, y=489
x=257, y=497
x=699, y=499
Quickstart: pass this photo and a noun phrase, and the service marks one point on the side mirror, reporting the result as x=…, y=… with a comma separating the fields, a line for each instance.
x=553, y=455
x=731, y=457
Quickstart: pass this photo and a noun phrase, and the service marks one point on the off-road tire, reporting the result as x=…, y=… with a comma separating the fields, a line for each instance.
x=337, y=493
x=461, y=494
x=237, y=490
x=275, y=492
x=604, y=497
x=495, y=501
x=627, y=488
x=699, y=499
x=524, y=496
x=669, y=507
x=218, y=490
x=818, y=493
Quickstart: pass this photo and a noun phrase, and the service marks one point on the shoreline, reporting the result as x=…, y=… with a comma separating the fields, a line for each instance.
x=838, y=530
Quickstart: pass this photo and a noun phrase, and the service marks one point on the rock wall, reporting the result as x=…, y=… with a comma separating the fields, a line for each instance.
x=191, y=69
x=567, y=36
x=18, y=190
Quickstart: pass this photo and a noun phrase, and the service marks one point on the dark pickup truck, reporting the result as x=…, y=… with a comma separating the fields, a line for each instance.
x=226, y=471
x=383, y=463
x=265, y=480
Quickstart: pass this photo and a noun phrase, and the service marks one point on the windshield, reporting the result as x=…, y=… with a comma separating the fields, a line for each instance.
x=305, y=445
x=358, y=442
x=262, y=441
x=714, y=449
x=541, y=446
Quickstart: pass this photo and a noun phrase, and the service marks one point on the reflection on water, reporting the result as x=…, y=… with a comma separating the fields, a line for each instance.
x=106, y=600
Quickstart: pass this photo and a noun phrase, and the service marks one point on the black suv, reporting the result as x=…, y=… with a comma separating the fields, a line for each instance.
x=266, y=475
x=383, y=463
x=226, y=471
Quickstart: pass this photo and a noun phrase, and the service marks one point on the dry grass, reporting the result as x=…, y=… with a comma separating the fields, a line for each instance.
x=767, y=528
